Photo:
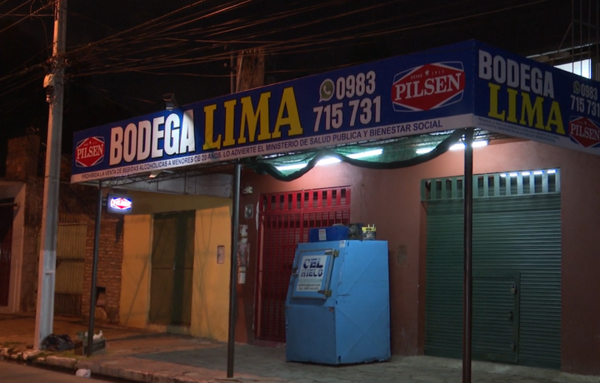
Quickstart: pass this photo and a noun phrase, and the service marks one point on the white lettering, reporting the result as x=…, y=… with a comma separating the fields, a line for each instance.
x=129, y=142
x=141, y=141
x=436, y=85
x=116, y=145
x=515, y=75
x=172, y=134
x=525, y=76
x=188, y=140
x=157, y=134
x=512, y=78
x=485, y=65
x=144, y=136
x=499, y=69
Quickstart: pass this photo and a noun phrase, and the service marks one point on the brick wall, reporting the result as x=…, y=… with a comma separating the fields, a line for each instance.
x=23, y=164
x=110, y=257
x=22, y=158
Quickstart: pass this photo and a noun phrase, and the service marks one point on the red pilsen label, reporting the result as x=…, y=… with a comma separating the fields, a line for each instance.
x=584, y=131
x=89, y=152
x=427, y=87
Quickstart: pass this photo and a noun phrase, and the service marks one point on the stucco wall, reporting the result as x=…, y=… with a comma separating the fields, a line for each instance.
x=16, y=190
x=391, y=200
x=210, y=294
x=149, y=203
x=580, y=183
x=135, y=271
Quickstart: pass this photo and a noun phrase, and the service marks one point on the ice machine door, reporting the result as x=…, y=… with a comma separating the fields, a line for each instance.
x=312, y=273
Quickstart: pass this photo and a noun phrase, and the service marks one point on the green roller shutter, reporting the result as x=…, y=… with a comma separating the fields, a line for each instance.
x=516, y=269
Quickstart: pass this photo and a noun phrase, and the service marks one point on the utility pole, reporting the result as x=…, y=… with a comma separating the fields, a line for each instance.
x=468, y=258
x=54, y=84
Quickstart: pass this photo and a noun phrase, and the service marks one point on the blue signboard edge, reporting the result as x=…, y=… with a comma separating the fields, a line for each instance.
x=578, y=129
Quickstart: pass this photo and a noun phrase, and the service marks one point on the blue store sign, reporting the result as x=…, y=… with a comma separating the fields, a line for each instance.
x=463, y=85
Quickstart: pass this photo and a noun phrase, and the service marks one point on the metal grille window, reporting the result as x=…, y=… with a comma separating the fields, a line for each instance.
x=285, y=221
x=520, y=183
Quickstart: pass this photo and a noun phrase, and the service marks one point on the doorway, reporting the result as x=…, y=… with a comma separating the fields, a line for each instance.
x=6, y=234
x=172, y=268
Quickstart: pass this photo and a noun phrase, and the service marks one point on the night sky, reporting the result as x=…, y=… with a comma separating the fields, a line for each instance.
x=124, y=55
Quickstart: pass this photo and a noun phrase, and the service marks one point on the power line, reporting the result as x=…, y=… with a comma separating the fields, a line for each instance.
x=170, y=42
x=29, y=15
x=271, y=47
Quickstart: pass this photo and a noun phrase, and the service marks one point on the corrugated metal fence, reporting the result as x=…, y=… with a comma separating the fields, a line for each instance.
x=70, y=257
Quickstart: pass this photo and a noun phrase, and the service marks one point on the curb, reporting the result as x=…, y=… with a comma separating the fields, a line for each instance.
x=71, y=365
x=19, y=355
x=58, y=361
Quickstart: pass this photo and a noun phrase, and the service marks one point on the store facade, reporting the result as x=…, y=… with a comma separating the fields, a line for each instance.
x=458, y=87
x=553, y=264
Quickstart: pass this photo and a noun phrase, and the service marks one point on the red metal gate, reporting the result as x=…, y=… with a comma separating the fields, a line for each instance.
x=285, y=220
x=6, y=223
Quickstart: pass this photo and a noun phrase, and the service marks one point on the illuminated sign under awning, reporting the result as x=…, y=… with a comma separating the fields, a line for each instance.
x=119, y=204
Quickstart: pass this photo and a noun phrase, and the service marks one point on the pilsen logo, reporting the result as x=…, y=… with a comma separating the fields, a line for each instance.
x=120, y=203
x=89, y=152
x=584, y=131
x=429, y=86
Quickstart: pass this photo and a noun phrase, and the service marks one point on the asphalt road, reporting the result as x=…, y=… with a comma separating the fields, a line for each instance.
x=19, y=373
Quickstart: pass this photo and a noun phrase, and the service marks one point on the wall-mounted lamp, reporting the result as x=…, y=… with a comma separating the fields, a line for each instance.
x=170, y=101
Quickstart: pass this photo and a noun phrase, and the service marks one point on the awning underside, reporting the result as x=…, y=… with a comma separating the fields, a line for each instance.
x=384, y=154
x=389, y=154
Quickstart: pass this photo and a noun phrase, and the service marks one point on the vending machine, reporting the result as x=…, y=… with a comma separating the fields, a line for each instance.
x=337, y=305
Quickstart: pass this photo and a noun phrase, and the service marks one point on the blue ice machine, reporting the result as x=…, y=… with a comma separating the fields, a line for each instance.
x=337, y=308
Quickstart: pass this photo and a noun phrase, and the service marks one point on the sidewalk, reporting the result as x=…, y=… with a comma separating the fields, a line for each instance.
x=143, y=356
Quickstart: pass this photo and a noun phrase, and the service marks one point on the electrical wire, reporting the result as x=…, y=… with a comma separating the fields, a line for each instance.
x=11, y=12
x=168, y=42
x=290, y=45
x=23, y=18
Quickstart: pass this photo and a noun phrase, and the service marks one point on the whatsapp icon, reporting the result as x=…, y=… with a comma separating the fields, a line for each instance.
x=326, y=90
